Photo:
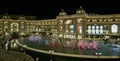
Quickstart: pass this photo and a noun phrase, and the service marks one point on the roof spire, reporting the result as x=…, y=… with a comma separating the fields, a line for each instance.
x=80, y=7
x=62, y=9
x=80, y=10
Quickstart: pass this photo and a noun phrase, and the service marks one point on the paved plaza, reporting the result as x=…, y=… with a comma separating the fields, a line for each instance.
x=14, y=56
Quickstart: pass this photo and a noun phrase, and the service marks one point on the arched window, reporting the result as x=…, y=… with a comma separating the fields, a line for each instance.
x=6, y=28
x=79, y=20
x=71, y=28
x=37, y=28
x=89, y=30
x=97, y=29
x=93, y=29
x=80, y=29
x=14, y=25
x=101, y=29
x=114, y=28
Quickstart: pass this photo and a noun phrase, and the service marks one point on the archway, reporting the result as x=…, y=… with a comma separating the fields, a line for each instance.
x=69, y=29
x=14, y=27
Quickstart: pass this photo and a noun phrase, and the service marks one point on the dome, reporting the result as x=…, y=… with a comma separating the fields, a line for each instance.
x=62, y=12
x=6, y=16
x=22, y=17
x=80, y=11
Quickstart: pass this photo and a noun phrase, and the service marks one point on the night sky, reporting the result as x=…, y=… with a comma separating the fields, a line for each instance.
x=51, y=8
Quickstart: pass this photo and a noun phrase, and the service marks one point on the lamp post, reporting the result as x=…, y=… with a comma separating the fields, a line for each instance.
x=51, y=51
x=37, y=58
x=98, y=54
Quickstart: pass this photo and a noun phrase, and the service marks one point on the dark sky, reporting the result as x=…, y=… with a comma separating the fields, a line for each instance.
x=51, y=8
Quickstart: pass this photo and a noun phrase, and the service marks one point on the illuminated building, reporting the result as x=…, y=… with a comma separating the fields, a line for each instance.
x=79, y=25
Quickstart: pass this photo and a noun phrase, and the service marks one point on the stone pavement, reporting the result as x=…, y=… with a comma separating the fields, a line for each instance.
x=14, y=56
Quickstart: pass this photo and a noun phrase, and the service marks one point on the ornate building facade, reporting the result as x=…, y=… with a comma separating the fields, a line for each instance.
x=80, y=25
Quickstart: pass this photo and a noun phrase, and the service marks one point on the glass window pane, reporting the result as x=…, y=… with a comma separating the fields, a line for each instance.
x=93, y=29
x=72, y=28
x=114, y=28
x=80, y=29
x=89, y=29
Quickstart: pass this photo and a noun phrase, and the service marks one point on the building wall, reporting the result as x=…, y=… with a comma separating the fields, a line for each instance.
x=101, y=26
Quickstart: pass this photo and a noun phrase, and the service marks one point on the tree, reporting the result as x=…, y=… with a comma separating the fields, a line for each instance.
x=15, y=35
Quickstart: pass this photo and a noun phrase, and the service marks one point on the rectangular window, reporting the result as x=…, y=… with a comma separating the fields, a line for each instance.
x=71, y=28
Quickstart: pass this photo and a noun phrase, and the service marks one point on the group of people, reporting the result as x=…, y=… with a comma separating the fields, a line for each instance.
x=53, y=42
x=80, y=44
x=83, y=46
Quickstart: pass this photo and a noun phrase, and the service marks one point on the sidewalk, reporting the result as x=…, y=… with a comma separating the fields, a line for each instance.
x=14, y=56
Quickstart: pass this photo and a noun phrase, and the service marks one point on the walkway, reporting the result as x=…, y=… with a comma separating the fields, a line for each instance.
x=14, y=56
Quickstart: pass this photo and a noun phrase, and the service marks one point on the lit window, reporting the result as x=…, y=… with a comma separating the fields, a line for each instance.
x=101, y=29
x=114, y=28
x=71, y=28
x=89, y=30
x=79, y=20
x=100, y=20
x=61, y=21
x=5, y=22
x=80, y=29
x=93, y=29
x=97, y=29
x=88, y=20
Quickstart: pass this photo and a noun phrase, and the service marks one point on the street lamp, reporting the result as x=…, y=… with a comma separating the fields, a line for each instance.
x=51, y=51
x=98, y=54
x=37, y=58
